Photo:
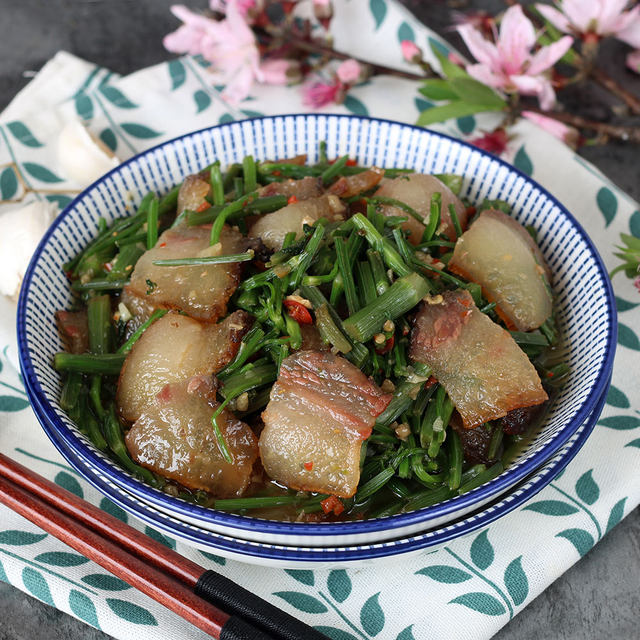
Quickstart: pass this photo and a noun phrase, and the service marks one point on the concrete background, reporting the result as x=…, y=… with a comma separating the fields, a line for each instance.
x=600, y=595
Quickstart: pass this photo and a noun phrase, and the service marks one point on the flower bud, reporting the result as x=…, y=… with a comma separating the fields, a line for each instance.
x=322, y=10
x=350, y=72
x=411, y=52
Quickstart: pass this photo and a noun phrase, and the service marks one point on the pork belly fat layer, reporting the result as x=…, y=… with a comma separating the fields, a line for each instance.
x=416, y=190
x=321, y=410
x=500, y=255
x=201, y=291
x=479, y=364
x=174, y=348
x=175, y=438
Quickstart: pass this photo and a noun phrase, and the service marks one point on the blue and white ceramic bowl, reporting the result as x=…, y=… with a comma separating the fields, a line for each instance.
x=585, y=304
x=300, y=557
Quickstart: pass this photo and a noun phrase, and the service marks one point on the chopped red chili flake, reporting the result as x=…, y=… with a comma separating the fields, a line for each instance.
x=277, y=173
x=203, y=207
x=387, y=346
x=308, y=466
x=351, y=163
x=430, y=382
x=162, y=244
x=332, y=503
x=292, y=200
x=298, y=312
x=550, y=374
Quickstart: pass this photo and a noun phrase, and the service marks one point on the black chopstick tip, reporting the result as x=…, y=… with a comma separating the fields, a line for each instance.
x=237, y=601
x=237, y=629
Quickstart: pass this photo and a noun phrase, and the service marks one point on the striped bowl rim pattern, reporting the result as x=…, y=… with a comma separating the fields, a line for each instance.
x=579, y=275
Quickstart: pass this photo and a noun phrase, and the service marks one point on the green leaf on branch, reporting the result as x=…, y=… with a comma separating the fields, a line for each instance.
x=474, y=92
x=452, y=110
x=437, y=89
x=450, y=69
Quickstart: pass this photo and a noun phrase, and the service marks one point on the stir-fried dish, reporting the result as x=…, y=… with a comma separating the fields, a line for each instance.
x=310, y=343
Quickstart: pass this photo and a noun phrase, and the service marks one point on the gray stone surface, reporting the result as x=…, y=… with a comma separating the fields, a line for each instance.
x=600, y=595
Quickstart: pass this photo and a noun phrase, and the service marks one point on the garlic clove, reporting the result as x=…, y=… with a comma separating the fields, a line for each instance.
x=22, y=229
x=81, y=157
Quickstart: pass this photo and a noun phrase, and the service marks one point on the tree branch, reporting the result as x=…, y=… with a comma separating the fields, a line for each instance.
x=617, y=132
x=315, y=47
x=618, y=90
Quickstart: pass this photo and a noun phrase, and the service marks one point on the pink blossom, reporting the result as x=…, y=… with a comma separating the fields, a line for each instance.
x=322, y=9
x=247, y=8
x=229, y=45
x=316, y=93
x=349, y=71
x=411, y=52
x=636, y=283
x=510, y=64
x=494, y=142
x=280, y=71
x=455, y=58
x=595, y=17
x=568, y=135
x=633, y=60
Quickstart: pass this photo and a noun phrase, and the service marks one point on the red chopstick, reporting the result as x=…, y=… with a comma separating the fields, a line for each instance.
x=205, y=598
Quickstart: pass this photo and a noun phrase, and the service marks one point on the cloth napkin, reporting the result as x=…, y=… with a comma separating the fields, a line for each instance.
x=472, y=586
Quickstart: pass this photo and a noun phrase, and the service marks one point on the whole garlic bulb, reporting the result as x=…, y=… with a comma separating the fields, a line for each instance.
x=22, y=229
x=81, y=157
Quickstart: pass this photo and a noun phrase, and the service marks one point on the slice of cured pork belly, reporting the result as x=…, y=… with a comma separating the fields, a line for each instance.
x=303, y=189
x=174, y=437
x=483, y=370
x=320, y=411
x=201, y=291
x=416, y=190
x=500, y=255
x=174, y=348
x=192, y=193
x=273, y=227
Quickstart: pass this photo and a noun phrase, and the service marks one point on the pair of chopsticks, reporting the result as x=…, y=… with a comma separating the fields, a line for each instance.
x=204, y=598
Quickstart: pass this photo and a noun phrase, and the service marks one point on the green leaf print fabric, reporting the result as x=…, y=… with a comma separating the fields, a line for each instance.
x=467, y=588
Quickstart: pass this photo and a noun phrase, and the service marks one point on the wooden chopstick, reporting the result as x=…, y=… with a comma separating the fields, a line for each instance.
x=162, y=588
x=166, y=576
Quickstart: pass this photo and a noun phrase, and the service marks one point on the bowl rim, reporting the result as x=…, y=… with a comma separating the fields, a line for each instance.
x=501, y=506
x=206, y=514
